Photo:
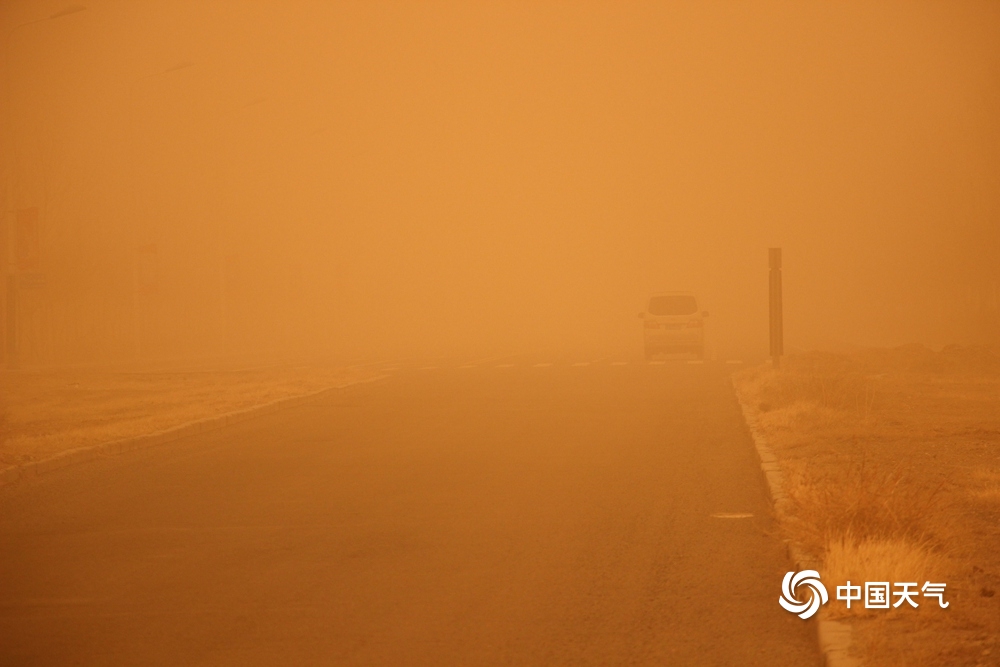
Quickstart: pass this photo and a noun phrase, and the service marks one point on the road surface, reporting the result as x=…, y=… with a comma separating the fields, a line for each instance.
x=519, y=513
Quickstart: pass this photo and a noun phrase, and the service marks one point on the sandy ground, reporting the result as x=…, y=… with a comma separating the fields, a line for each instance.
x=45, y=412
x=893, y=463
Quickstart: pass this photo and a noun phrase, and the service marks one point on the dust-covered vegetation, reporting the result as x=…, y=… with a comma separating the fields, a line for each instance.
x=892, y=463
x=46, y=412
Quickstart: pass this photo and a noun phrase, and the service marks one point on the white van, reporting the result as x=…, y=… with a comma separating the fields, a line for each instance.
x=673, y=323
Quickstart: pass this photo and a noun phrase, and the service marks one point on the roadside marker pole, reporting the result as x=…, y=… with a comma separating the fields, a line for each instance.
x=774, y=300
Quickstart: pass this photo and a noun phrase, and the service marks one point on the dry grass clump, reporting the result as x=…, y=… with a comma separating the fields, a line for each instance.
x=861, y=501
x=866, y=523
x=887, y=559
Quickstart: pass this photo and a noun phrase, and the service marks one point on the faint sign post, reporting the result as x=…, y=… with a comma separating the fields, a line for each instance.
x=774, y=302
x=28, y=249
x=27, y=244
x=26, y=275
x=147, y=286
x=10, y=328
x=10, y=316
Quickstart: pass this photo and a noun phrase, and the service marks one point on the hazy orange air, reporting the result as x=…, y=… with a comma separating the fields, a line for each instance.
x=354, y=180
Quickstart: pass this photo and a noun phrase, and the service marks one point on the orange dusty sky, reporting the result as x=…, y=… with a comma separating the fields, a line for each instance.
x=358, y=179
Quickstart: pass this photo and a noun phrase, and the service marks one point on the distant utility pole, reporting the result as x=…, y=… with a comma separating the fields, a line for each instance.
x=9, y=294
x=774, y=301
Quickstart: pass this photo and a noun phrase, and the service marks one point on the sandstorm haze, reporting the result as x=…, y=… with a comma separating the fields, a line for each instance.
x=352, y=180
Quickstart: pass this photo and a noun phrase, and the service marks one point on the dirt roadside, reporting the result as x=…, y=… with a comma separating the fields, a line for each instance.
x=44, y=413
x=892, y=464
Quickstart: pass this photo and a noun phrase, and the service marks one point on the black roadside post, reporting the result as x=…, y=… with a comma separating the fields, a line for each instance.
x=774, y=280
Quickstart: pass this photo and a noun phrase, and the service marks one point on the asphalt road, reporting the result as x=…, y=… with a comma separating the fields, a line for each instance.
x=493, y=515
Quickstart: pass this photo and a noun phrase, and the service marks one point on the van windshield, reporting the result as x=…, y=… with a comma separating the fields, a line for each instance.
x=673, y=304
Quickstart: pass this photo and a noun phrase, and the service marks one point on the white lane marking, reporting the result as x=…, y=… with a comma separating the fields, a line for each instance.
x=728, y=515
x=504, y=366
x=696, y=361
x=582, y=363
x=544, y=364
x=733, y=361
x=489, y=360
x=619, y=363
